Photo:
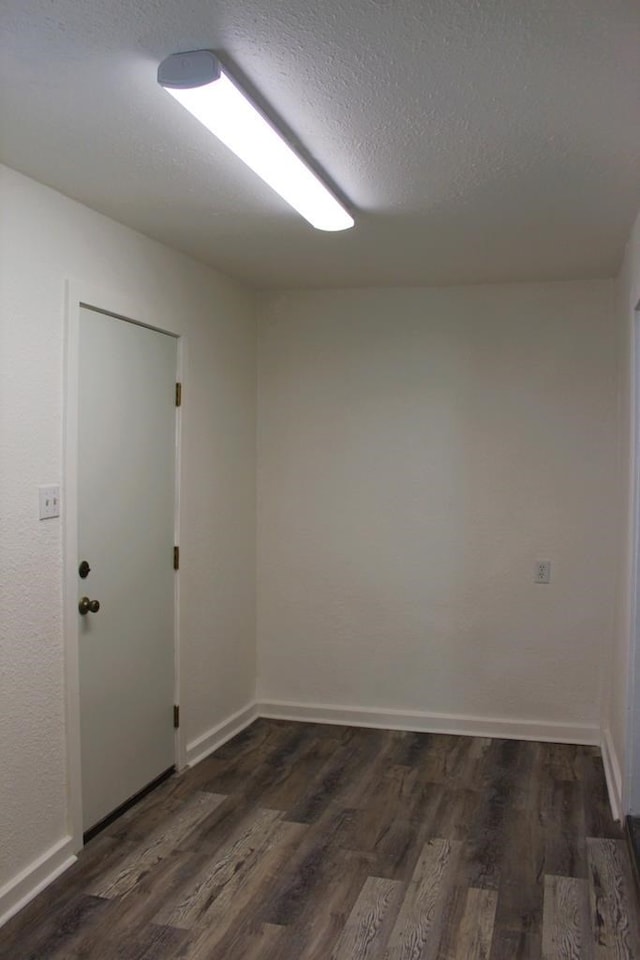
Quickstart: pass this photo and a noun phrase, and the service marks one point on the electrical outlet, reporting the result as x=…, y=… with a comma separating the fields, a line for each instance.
x=542, y=572
x=49, y=500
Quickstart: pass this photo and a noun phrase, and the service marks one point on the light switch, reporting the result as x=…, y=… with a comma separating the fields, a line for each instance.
x=49, y=498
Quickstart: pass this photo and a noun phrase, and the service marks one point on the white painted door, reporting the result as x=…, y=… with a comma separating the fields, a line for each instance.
x=126, y=497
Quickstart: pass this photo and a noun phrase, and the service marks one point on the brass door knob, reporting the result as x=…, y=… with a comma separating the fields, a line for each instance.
x=88, y=606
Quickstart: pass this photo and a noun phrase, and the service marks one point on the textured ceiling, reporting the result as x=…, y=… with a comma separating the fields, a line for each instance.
x=476, y=140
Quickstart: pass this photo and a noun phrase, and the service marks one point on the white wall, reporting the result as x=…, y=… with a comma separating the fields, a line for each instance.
x=419, y=449
x=621, y=712
x=44, y=239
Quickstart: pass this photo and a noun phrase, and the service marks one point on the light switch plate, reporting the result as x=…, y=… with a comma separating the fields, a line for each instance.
x=49, y=499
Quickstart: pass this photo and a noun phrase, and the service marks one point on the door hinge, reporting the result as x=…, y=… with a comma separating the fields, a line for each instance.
x=176, y=716
x=176, y=558
x=178, y=394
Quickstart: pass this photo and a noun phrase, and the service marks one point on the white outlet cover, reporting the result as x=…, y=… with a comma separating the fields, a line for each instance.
x=542, y=571
x=49, y=501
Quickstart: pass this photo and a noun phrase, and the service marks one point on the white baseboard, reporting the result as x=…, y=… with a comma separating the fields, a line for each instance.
x=202, y=746
x=612, y=774
x=414, y=720
x=17, y=893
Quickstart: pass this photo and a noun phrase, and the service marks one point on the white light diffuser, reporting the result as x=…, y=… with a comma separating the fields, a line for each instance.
x=222, y=107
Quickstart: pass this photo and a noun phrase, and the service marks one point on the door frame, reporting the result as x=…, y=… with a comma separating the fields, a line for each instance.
x=631, y=782
x=79, y=295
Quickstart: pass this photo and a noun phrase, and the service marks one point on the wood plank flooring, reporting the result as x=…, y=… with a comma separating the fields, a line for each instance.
x=311, y=842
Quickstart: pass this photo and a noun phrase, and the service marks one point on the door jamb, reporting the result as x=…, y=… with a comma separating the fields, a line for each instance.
x=78, y=295
x=631, y=784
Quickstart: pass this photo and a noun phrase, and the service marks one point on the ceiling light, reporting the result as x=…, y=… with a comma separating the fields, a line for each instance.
x=197, y=81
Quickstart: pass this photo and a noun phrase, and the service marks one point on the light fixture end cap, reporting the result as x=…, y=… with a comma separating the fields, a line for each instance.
x=195, y=68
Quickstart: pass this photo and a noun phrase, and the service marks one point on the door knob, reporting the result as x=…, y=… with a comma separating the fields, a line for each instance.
x=88, y=606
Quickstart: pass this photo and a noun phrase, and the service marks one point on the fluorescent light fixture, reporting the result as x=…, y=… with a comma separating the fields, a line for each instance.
x=196, y=80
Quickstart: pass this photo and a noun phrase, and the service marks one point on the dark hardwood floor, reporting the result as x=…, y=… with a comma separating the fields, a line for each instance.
x=311, y=842
x=633, y=841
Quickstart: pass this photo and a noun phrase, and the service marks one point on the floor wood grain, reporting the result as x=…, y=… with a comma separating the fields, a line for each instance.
x=125, y=875
x=616, y=933
x=315, y=842
x=417, y=928
x=565, y=925
x=362, y=937
x=476, y=929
